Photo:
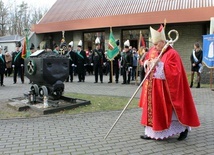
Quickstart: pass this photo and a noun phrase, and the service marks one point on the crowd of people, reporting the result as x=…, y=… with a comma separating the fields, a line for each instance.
x=129, y=62
x=91, y=62
x=95, y=62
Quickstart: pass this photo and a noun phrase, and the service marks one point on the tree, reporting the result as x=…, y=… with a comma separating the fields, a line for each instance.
x=3, y=18
x=37, y=14
x=15, y=18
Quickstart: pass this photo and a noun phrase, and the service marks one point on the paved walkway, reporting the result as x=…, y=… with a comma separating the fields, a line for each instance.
x=84, y=133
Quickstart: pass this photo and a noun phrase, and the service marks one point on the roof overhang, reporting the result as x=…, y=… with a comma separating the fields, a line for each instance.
x=148, y=18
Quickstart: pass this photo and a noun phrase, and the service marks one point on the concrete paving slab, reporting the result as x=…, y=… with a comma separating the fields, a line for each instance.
x=84, y=133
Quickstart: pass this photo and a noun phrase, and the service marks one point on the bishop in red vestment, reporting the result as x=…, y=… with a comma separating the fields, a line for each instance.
x=166, y=101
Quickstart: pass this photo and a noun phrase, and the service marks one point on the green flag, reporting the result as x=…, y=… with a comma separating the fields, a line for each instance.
x=113, y=49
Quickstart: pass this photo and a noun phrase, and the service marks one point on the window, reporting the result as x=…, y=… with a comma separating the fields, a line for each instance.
x=89, y=40
x=133, y=37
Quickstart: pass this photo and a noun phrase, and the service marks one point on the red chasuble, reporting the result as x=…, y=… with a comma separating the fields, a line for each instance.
x=170, y=91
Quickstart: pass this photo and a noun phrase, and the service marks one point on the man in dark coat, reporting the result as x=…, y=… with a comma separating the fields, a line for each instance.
x=127, y=63
x=116, y=68
x=2, y=66
x=18, y=64
x=97, y=60
x=80, y=62
x=72, y=61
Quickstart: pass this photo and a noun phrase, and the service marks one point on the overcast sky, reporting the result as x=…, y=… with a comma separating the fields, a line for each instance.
x=35, y=3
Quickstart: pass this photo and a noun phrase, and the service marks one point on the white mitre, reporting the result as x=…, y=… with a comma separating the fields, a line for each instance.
x=157, y=35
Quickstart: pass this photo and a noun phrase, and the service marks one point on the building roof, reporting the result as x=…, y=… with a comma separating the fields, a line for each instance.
x=11, y=38
x=89, y=14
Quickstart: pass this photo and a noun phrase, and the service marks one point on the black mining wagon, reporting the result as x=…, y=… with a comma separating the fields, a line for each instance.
x=47, y=71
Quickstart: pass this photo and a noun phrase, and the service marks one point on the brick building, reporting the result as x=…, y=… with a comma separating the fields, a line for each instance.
x=84, y=19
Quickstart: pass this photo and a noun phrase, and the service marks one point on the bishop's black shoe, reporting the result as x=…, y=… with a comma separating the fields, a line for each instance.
x=183, y=135
x=145, y=137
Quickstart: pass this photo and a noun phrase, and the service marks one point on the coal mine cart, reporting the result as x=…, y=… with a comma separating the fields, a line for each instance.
x=47, y=71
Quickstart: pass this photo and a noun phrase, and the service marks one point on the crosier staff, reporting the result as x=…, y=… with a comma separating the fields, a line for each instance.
x=170, y=42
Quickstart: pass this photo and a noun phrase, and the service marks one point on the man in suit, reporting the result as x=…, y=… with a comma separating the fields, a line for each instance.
x=80, y=62
x=2, y=66
x=97, y=60
x=115, y=66
x=72, y=60
x=18, y=64
x=127, y=63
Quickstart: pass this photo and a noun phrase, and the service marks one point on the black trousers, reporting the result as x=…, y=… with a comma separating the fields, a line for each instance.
x=98, y=69
x=81, y=77
x=126, y=74
x=8, y=72
x=71, y=74
x=20, y=71
x=115, y=72
x=2, y=79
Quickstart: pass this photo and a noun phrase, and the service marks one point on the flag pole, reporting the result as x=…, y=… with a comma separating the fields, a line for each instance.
x=111, y=70
x=136, y=80
x=211, y=77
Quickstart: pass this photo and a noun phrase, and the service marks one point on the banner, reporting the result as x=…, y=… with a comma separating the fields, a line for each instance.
x=141, y=43
x=208, y=50
x=113, y=49
x=25, y=49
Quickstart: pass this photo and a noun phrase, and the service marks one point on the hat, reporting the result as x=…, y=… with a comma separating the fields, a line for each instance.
x=127, y=44
x=71, y=44
x=0, y=47
x=80, y=43
x=97, y=41
x=18, y=44
x=32, y=46
x=118, y=42
x=158, y=35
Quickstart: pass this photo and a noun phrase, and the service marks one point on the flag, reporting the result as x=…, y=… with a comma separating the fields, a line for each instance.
x=141, y=44
x=141, y=41
x=113, y=49
x=25, y=50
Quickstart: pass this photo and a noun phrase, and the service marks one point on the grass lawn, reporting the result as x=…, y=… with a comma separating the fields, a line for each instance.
x=98, y=103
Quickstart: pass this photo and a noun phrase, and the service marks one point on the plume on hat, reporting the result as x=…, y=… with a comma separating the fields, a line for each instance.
x=97, y=41
x=71, y=44
x=127, y=43
x=80, y=43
